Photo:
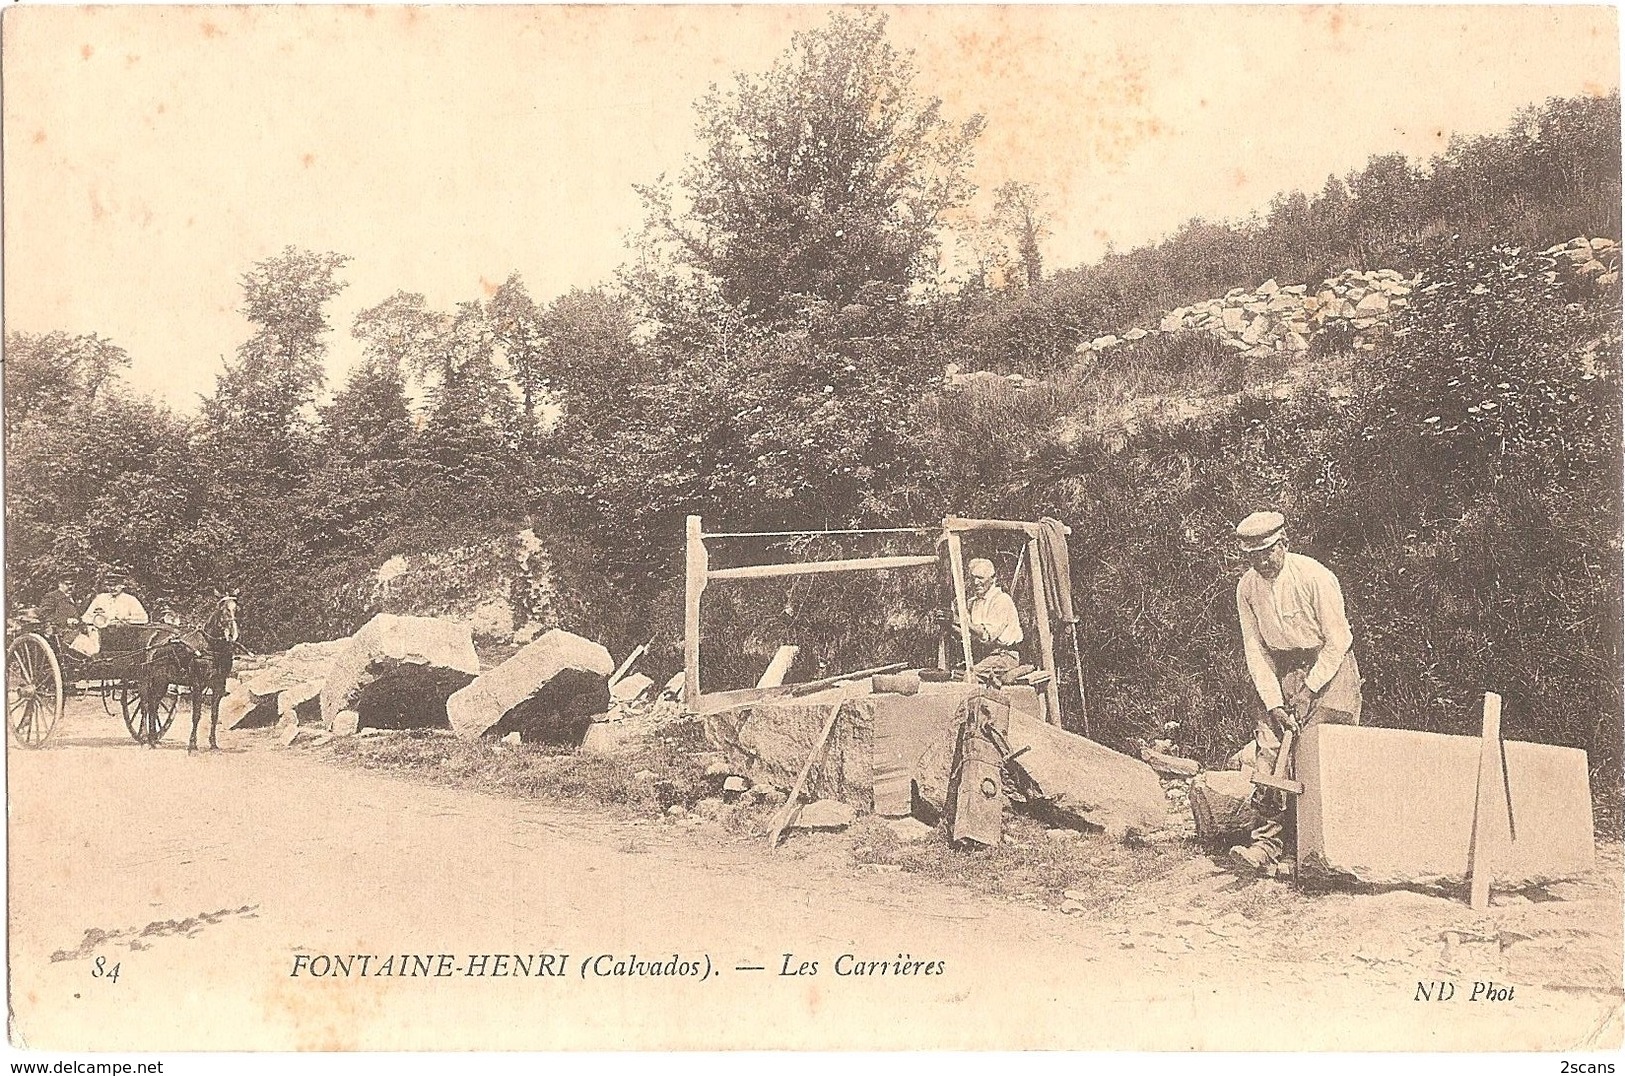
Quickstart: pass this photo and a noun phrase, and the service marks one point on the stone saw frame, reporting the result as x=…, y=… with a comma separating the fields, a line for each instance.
x=699, y=574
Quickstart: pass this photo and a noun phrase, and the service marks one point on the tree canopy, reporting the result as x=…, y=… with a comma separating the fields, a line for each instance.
x=823, y=179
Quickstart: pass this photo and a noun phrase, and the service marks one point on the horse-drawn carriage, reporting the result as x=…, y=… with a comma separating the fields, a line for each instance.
x=138, y=672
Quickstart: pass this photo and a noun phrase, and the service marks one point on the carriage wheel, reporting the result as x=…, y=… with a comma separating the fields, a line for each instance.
x=135, y=719
x=33, y=690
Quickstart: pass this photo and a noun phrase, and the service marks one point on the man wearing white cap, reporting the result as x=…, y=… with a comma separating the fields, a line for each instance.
x=1298, y=643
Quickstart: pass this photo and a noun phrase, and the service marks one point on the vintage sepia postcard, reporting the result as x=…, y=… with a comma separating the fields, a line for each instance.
x=676, y=528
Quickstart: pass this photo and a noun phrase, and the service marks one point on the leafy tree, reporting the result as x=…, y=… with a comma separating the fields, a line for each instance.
x=517, y=329
x=593, y=358
x=49, y=373
x=470, y=435
x=824, y=176
x=1020, y=209
x=260, y=414
x=401, y=332
x=107, y=482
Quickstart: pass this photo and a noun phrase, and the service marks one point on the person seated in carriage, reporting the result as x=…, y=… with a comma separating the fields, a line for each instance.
x=113, y=606
x=60, y=612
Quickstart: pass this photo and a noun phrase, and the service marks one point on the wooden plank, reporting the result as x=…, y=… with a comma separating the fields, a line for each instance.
x=956, y=525
x=1046, y=639
x=818, y=567
x=631, y=659
x=783, y=658
x=956, y=567
x=1491, y=783
x=694, y=561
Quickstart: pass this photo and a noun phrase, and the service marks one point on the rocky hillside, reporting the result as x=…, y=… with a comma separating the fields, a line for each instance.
x=1357, y=305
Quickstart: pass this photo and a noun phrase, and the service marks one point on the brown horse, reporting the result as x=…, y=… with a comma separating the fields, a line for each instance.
x=200, y=658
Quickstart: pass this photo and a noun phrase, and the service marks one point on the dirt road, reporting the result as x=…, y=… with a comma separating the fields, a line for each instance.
x=207, y=879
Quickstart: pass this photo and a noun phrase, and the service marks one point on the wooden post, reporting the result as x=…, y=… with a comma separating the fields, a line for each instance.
x=695, y=563
x=1490, y=787
x=1046, y=640
x=956, y=565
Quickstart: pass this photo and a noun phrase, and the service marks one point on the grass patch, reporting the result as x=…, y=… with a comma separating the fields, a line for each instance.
x=1030, y=866
x=654, y=774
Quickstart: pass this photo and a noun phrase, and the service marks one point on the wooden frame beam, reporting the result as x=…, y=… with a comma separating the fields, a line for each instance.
x=698, y=573
x=818, y=567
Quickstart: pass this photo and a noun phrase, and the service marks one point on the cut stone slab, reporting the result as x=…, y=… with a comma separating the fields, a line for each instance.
x=398, y=671
x=881, y=749
x=240, y=710
x=1085, y=782
x=824, y=814
x=1172, y=765
x=631, y=688
x=550, y=691
x=1222, y=805
x=303, y=663
x=1395, y=807
x=303, y=701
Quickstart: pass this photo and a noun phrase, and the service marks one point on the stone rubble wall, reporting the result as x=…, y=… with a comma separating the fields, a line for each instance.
x=1273, y=319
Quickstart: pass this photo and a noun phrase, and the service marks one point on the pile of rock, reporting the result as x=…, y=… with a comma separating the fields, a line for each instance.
x=893, y=755
x=1597, y=258
x=1273, y=318
x=414, y=672
x=285, y=690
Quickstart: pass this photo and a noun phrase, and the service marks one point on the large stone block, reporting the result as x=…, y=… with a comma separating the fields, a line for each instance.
x=549, y=691
x=302, y=663
x=1086, y=782
x=398, y=671
x=1392, y=806
x=261, y=693
x=302, y=701
x=882, y=749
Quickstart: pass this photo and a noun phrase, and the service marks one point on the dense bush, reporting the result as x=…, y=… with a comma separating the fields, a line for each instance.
x=776, y=363
x=1467, y=493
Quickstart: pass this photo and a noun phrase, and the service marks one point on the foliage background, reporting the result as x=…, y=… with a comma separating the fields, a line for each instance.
x=771, y=358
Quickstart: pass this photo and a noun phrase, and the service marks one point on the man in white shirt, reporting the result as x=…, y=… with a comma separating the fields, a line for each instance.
x=1297, y=639
x=114, y=605
x=995, y=629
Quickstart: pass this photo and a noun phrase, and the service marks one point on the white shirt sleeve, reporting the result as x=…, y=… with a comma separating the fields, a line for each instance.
x=1259, y=665
x=1334, y=627
x=994, y=617
x=1003, y=622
